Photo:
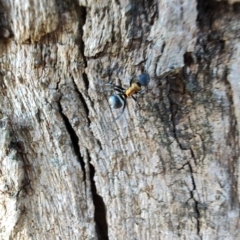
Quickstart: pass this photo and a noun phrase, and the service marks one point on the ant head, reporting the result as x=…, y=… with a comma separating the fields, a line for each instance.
x=116, y=101
x=143, y=79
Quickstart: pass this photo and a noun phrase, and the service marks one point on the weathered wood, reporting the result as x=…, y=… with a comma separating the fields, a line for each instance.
x=166, y=170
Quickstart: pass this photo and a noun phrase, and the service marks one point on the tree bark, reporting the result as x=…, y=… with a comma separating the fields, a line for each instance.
x=168, y=169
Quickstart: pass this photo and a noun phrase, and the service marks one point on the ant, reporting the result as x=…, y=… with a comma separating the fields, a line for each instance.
x=119, y=100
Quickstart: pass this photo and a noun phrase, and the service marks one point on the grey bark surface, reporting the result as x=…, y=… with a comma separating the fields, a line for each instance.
x=166, y=170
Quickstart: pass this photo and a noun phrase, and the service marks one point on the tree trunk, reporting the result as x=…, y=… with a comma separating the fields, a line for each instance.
x=168, y=169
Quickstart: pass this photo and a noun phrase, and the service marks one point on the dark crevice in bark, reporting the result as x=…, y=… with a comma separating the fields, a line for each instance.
x=193, y=156
x=236, y=7
x=196, y=202
x=18, y=145
x=174, y=129
x=163, y=47
x=82, y=16
x=85, y=79
x=191, y=172
x=177, y=86
x=212, y=44
x=173, y=108
x=188, y=59
x=203, y=7
x=74, y=139
x=208, y=8
x=82, y=100
x=5, y=31
x=183, y=166
x=117, y=2
x=233, y=142
x=100, y=208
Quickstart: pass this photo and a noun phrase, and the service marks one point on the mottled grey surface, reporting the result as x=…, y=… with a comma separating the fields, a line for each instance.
x=167, y=170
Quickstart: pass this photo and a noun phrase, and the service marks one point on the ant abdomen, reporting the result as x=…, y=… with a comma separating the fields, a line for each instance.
x=143, y=79
x=115, y=101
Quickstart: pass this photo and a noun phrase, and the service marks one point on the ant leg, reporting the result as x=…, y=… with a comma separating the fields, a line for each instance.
x=136, y=101
x=142, y=91
x=116, y=87
x=119, y=89
x=124, y=105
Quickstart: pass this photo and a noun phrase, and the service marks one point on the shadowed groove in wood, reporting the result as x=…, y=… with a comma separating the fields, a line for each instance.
x=82, y=15
x=195, y=201
x=176, y=85
x=74, y=139
x=100, y=208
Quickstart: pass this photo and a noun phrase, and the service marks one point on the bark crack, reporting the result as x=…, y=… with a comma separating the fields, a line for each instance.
x=19, y=146
x=74, y=139
x=194, y=199
x=82, y=99
x=99, y=206
x=173, y=107
x=100, y=209
x=82, y=16
x=173, y=112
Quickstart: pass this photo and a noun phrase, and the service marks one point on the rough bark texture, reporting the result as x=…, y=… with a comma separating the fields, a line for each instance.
x=169, y=170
